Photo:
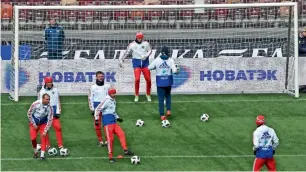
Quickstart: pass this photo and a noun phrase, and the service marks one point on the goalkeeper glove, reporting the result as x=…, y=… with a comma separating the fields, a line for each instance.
x=96, y=122
x=120, y=120
x=57, y=116
x=38, y=88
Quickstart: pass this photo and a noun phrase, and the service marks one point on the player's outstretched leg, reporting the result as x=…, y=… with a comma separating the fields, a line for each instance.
x=161, y=97
x=121, y=135
x=147, y=75
x=109, y=131
x=33, y=136
x=137, y=72
x=58, y=132
x=168, y=100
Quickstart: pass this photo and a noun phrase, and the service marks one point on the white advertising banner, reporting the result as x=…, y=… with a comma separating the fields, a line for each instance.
x=208, y=75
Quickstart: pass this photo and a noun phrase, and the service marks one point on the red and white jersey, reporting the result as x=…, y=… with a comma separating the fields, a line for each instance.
x=40, y=114
x=138, y=50
x=97, y=94
x=54, y=97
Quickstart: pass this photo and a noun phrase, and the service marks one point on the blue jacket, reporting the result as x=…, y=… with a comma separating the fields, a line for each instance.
x=54, y=37
x=302, y=44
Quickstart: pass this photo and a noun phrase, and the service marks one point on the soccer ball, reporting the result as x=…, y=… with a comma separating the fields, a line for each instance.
x=64, y=152
x=38, y=147
x=204, y=117
x=165, y=123
x=139, y=123
x=135, y=160
x=52, y=151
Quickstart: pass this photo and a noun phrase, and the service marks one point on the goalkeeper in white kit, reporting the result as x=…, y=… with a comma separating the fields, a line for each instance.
x=141, y=50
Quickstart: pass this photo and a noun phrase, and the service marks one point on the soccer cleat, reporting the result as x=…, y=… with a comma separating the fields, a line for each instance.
x=112, y=160
x=129, y=153
x=101, y=144
x=149, y=98
x=168, y=113
x=35, y=155
x=42, y=158
x=105, y=143
x=136, y=99
x=48, y=147
x=163, y=118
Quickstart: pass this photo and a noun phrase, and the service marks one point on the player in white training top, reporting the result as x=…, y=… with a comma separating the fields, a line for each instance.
x=141, y=50
x=40, y=117
x=52, y=91
x=265, y=142
x=97, y=94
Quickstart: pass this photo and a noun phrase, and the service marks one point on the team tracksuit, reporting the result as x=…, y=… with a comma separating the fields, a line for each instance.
x=302, y=45
x=56, y=107
x=140, y=64
x=265, y=141
x=40, y=116
x=109, y=118
x=54, y=37
x=96, y=95
x=164, y=80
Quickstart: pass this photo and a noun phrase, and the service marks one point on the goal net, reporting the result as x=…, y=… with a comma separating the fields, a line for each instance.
x=220, y=48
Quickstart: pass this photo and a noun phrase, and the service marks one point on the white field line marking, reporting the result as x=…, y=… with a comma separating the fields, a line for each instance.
x=178, y=101
x=151, y=157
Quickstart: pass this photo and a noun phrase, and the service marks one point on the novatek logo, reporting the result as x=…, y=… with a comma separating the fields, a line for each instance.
x=232, y=75
x=75, y=76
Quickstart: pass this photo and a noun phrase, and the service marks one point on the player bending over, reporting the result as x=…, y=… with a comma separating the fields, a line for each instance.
x=265, y=141
x=109, y=118
x=40, y=117
x=49, y=89
x=141, y=50
x=97, y=93
x=165, y=67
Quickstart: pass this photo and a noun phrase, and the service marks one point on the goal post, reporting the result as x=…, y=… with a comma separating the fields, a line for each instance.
x=221, y=48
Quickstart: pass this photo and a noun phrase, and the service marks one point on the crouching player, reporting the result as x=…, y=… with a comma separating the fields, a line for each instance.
x=49, y=89
x=109, y=118
x=165, y=67
x=40, y=117
x=265, y=141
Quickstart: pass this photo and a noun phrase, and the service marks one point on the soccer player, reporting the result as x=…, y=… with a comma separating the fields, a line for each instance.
x=40, y=117
x=97, y=93
x=54, y=37
x=141, y=50
x=49, y=89
x=165, y=67
x=265, y=141
x=109, y=118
